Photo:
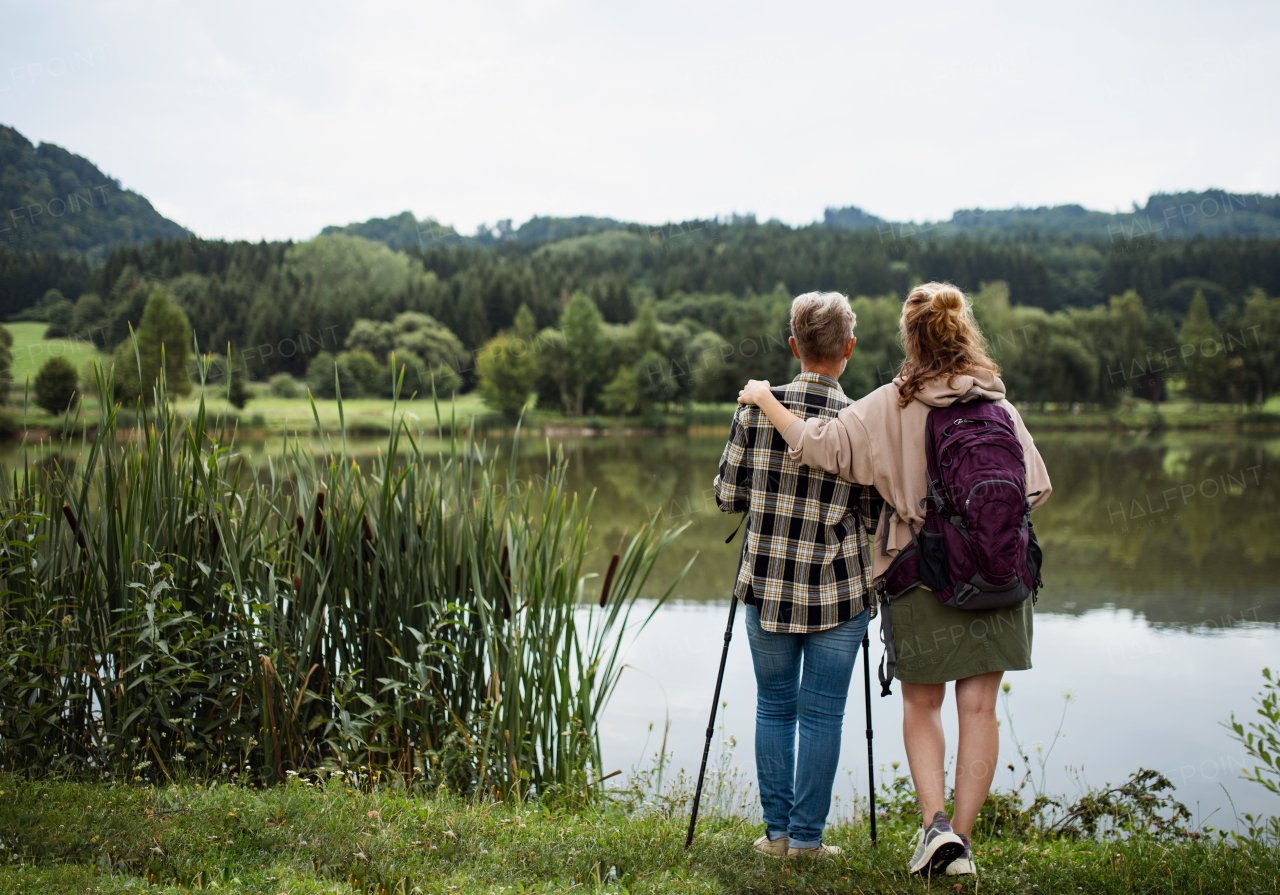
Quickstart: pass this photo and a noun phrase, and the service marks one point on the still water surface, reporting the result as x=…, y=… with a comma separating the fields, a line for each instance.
x=1160, y=610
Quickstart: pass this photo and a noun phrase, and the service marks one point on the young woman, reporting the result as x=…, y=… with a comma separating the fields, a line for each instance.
x=880, y=440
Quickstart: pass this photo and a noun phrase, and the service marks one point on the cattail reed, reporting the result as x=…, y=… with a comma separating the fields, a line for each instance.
x=237, y=660
x=608, y=579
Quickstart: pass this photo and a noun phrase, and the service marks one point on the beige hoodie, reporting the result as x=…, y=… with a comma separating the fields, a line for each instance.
x=873, y=441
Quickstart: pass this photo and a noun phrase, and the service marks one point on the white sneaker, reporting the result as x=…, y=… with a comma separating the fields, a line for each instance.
x=774, y=848
x=963, y=865
x=937, y=845
x=818, y=851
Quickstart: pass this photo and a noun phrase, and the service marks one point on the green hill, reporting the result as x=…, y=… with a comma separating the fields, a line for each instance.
x=1210, y=213
x=56, y=201
x=399, y=232
x=405, y=230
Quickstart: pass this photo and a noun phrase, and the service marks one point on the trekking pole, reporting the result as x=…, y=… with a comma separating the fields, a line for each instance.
x=715, y=704
x=871, y=763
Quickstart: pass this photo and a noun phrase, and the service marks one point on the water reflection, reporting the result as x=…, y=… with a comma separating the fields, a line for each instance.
x=1179, y=529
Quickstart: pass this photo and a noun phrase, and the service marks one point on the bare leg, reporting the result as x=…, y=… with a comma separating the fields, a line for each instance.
x=979, y=749
x=922, y=735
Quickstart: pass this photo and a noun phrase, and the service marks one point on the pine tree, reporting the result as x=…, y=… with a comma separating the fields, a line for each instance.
x=1201, y=346
x=163, y=336
x=588, y=348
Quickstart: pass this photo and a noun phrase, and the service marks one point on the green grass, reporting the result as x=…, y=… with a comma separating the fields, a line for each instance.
x=372, y=415
x=31, y=350
x=66, y=837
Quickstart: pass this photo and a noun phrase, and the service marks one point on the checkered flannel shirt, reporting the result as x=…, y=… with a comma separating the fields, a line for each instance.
x=807, y=561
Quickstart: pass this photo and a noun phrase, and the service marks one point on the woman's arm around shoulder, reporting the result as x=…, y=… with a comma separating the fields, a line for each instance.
x=839, y=445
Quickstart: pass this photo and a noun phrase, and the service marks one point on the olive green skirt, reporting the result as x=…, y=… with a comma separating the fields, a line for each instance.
x=936, y=643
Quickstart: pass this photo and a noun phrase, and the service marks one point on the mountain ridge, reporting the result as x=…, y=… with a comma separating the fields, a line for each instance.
x=57, y=201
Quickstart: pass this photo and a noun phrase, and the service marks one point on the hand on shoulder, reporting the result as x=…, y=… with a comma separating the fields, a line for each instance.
x=753, y=391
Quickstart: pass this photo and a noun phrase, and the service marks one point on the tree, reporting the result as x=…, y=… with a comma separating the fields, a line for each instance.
x=1260, y=332
x=164, y=337
x=648, y=335
x=653, y=377
x=553, y=365
x=1201, y=346
x=59, y=312
x=55, y=385
x=1128, y=330
x=423, y=347
x=588, y=348
x=622, y=395
x=6, y=363
x=89, y=319
x=1048, y=361
x=506, y=368
x=427, y=339
x=877, y=356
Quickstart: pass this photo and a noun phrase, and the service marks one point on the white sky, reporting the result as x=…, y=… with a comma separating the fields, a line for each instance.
x=272, y=120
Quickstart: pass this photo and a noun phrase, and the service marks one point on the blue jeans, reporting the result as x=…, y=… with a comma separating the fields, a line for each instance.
x=795, y=791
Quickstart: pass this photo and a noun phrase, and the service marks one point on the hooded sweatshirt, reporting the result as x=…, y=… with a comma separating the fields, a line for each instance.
x=873, y=441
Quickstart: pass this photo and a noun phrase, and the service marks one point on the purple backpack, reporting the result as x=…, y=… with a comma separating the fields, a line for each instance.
x=977, y=549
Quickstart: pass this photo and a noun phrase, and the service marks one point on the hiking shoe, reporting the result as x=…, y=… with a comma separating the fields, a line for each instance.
x=774, y=848
x=936, y=847
x=963, y=865
x=818, y=851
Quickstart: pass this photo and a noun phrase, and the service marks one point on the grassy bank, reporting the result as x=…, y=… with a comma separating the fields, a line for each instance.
x=269, y=416
x=302, y=838
x=31, y=351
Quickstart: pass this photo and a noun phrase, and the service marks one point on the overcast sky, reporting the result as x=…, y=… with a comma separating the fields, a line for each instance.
x=267, y=120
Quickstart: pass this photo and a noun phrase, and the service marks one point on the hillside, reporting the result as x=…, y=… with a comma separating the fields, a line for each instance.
x=57, y=201
x=1184, y=215
x=405, y=230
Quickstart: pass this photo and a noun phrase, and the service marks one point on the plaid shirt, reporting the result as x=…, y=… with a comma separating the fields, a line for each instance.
x=807, y=561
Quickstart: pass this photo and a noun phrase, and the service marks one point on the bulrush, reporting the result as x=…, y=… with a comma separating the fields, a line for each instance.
x=251, y=671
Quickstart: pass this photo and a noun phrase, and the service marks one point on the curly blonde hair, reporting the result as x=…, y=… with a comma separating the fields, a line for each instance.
x=940, y=338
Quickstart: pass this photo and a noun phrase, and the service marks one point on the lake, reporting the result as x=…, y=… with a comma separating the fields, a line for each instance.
x=1160, y=609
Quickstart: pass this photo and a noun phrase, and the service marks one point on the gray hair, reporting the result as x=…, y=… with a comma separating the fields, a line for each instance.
x=822, y=323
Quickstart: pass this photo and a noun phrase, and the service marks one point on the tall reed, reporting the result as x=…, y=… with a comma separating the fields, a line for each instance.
x=168, y=608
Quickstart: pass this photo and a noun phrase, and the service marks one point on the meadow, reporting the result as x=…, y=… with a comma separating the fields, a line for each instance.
x=341, y=835
x=31, y=350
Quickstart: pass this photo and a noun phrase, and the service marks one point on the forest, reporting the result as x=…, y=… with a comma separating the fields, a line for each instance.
x=624, y=320
x=1176, y=298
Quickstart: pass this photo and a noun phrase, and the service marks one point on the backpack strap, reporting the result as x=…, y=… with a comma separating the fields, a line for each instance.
x=741, y=522
x=889, y=659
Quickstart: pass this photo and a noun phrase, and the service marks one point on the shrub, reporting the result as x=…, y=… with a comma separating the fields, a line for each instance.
x=419, y=378
x=282, y=385
x=55, y=385
x=215, y=380
x=373, y=377
x=321, y=377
